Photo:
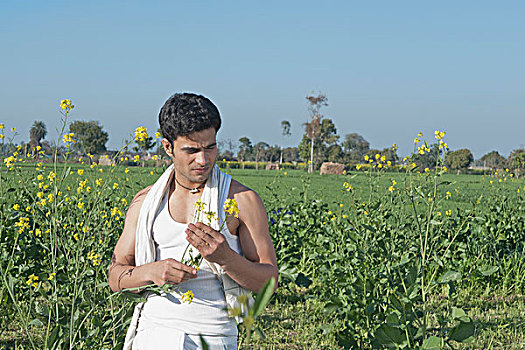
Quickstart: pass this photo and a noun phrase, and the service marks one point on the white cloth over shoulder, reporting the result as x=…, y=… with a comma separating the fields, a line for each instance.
x=145, y=249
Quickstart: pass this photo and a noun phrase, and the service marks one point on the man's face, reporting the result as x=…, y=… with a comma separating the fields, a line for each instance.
x=193, y=155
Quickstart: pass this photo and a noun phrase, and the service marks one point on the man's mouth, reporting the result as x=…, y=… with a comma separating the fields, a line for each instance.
x=200, y=170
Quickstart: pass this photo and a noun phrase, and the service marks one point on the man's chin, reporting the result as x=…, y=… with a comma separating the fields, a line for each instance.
x=200, y=177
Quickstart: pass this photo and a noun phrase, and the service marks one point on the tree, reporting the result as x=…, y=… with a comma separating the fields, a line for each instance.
x=272, y=153
x=259, y=150
x=90, y=136
x=335, y=153
x=244, y=149
x=517, y=161
x=285, y=131
x=390, y=154
x=459, y=160
x=37, y=132
x=493, y=160
x=428, y=159
x=326, y=137
x=226, y=149
x=291, y=154
x=355, y=147
x=314, y=127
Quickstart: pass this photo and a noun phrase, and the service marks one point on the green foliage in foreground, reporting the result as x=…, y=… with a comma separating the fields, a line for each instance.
x=351, y=276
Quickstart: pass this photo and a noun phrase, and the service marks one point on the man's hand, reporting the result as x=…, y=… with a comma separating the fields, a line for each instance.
x=210, y=243
x=169, y=271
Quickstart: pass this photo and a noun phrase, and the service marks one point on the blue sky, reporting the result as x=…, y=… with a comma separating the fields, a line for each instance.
x=389, y=69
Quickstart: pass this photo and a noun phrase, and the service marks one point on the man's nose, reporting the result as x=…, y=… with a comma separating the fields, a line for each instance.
x=201, y=158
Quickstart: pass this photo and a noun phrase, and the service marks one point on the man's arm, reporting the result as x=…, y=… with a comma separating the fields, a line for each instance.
x=259, y=263
x=124, y=274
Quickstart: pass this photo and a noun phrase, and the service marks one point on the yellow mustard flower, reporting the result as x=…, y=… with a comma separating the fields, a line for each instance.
x=231, y=207
x=141, y=134
x=66, y=105
x=188, y=297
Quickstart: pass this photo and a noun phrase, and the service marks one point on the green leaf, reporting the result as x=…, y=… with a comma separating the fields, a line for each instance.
x=487, y=270
x=392, y=320
x=303, y=281
x=133, y=296
x=53, y=337
x=450, y=276
x=462, y=332
x=263, y=297
x=102, y=285
x=432, y=343
x=203, y=343
x=36, y=322
x=459, y=314
x=388, y=335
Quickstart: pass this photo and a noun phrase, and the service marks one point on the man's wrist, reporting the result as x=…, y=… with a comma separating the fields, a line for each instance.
x=229, y=260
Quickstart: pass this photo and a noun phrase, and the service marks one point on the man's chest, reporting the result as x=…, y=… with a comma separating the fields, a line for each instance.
x=182, y=210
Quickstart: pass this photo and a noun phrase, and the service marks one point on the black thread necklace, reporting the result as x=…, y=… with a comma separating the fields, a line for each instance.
x=192, y=190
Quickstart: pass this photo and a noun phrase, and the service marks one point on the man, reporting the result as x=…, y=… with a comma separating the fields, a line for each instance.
x=151, y=248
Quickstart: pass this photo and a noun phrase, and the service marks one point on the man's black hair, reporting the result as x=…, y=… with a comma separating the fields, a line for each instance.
x=185, y=113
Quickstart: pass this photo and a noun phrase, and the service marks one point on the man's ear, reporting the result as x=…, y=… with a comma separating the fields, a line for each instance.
x=168, y=147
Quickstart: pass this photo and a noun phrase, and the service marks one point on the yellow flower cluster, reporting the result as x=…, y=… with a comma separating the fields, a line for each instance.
x=136, y=158
x=392, y=188
x=423, y=149
x=32, y=280
x=418, y=138
x=95, y=258
x=22, y=224
x=439, y=134
x=199, y=206
x=380, y=159
x=347, y=187
x=141, y=133
x=9, y=161
x=188, y=297
x=66, y=105
x=68, y=138
x=231, y=207
x=116, y=211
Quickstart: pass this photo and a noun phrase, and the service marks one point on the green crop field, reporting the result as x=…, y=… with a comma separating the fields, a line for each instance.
x=371, y=259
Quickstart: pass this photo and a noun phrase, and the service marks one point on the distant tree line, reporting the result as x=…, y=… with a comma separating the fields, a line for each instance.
x=320, y=143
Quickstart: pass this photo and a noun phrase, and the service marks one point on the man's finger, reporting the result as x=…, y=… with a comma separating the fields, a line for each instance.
x=197, y=232
x=201, y=230
x=196, y=241
x=183, y=267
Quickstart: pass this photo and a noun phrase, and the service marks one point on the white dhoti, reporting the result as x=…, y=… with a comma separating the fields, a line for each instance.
x=162, y=338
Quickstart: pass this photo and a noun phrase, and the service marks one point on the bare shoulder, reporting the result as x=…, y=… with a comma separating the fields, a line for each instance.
x=247, y=199
x=137, y=201
x=242, y=193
